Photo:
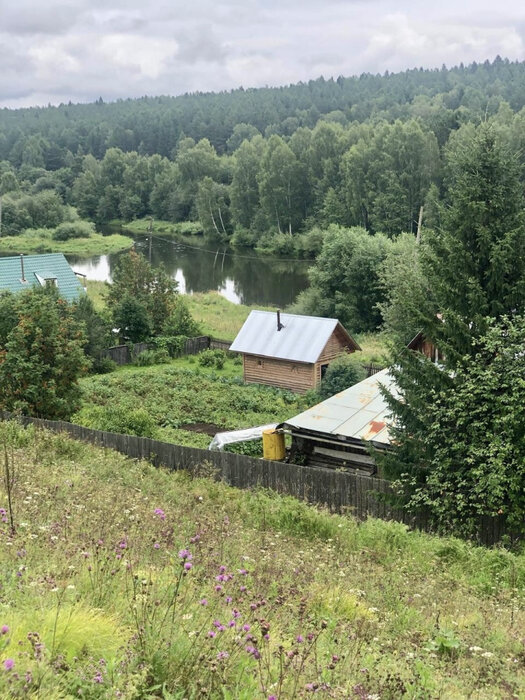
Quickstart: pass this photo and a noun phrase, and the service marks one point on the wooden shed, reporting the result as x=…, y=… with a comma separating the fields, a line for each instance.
x=288, y=350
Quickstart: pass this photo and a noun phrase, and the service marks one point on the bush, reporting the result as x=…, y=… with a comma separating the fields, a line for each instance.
x=172, y=344
x=73, y=229
x=343, y=372
x=152, y=357
x=212, y=358
x=119, y=419
x=103, y=365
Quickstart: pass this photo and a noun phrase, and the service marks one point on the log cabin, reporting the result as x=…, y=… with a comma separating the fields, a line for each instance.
x=288, y=350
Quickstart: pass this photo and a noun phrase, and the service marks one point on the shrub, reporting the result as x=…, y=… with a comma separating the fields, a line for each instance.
x=152, y=357
x=212, y=358
x=343, y=372
x=73, y=229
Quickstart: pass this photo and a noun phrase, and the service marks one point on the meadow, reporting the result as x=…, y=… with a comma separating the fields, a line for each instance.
x=42, y=241
x=123, y=580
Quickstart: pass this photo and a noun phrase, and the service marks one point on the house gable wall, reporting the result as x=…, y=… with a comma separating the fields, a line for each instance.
x=286, y=374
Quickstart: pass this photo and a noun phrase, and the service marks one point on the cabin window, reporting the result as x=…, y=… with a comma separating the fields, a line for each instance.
x=260, y=363
x=323, y=370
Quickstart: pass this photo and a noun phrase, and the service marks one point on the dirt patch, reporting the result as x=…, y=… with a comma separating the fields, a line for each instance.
x=205, y=428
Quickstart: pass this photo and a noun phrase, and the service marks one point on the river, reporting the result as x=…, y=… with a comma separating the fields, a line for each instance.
x=242, y=277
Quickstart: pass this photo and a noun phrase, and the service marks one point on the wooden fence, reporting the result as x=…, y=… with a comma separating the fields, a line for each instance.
x=342, y=491
x=126, y=354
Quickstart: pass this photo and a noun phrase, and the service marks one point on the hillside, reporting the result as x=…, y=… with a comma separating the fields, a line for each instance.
x=122, y=580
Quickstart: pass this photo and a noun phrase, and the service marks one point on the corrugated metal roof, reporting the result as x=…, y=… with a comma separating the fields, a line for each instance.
x=301, y=339
x=37, y=268
x=359, y=412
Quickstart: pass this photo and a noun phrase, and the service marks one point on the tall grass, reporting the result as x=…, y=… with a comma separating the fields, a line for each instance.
x=122, y=580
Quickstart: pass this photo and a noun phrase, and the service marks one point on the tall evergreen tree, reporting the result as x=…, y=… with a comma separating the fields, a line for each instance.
x=475, y=272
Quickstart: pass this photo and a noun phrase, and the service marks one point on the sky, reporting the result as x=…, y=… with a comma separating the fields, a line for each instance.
x=79, y=50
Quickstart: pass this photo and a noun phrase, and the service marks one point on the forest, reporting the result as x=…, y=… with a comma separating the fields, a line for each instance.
x=270, y=168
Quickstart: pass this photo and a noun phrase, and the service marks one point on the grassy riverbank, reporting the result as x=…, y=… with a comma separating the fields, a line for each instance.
x=161, y=228
x=122, y=580
x=41, y=241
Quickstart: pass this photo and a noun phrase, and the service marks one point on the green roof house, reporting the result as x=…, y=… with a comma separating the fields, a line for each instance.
x=23, y=271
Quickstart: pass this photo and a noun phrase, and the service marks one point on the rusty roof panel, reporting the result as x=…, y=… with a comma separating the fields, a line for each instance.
x=359, y=412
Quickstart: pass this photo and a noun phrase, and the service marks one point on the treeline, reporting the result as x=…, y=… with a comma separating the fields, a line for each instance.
x=255, y=166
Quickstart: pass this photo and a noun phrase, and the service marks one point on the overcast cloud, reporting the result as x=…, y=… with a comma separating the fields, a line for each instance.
x=80, y=50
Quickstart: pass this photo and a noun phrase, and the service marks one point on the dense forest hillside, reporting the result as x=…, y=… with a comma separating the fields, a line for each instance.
x=249, y=164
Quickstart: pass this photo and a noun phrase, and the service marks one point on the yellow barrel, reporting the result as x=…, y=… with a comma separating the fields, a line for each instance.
x=273, y=445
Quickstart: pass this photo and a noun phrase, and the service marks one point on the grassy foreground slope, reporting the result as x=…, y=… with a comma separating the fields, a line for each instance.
x=122, y=580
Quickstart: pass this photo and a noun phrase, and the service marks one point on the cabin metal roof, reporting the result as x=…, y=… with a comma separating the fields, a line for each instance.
x=359, y=412
x=301, y=338
x=38, y=269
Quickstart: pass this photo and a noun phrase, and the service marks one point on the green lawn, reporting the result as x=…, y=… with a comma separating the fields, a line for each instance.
x=122, y=580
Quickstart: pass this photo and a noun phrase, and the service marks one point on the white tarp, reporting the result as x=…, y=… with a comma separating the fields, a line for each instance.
x=222, y=439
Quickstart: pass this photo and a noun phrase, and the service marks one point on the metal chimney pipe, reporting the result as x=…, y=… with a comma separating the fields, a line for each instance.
x=22, y=266
x=279, y=324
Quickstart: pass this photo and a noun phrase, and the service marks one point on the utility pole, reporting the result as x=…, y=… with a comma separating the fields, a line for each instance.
x=419, y=224
x=0, y=216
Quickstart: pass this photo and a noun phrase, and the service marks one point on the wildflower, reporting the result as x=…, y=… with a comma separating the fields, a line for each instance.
x=236, y=613
x=203, y=602
x=272, y=697
x=4, y=629
x=160, y=513
x=242, y=589
x=267, y=637
x=229, y=599
x=123, y=544
x=156, y=545
x=185, y=555
x=299, y=638
x=253, y=606
x=8, y=664
x=98, y=678
x=222, y=655
x=246, y=628
x=218, y=589
x=217, y=623
x=243, y=572
x=231, y=623
x=212, y=633
x=195, y=538
x=222, y=569
x=187, y=565
x=310, y=636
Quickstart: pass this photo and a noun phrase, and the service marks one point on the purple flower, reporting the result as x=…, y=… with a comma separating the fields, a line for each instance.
x=272, y=697
x=242, y=589
x=8, y=664
x=231, y=623
x=185, y=555
x=122, y=544
x=267, y=637
x=217, y=623
x=203, y=602
x=246, y=628
x=98, y=678
x=229, y=599
x=299, y=638
x=243, y=572
x=222, y=569
x=156, y=545
x=212, y=633
x=236, y=613
x=222, y=655
x=195, y=538
x=187, y=565
x=218, y=589
x=160, y=513
x=4, y=629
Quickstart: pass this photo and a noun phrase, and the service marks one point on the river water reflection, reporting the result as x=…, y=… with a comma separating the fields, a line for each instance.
x=241, y=277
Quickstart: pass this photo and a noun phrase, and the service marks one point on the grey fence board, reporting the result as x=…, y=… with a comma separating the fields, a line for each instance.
x=363, y=495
